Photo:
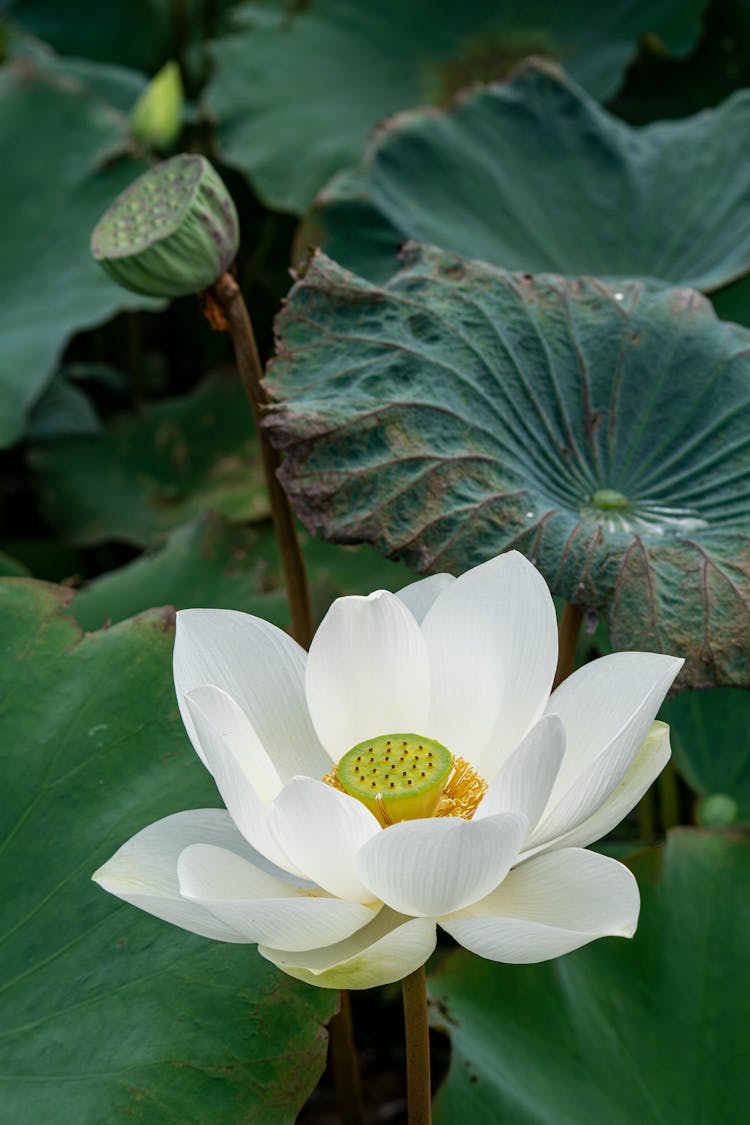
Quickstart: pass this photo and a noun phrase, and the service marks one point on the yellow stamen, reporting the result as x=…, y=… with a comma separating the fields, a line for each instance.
x=463, y=791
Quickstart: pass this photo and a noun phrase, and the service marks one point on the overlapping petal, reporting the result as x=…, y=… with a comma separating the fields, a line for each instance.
x=419, y=596
x=231, y=749
x=264, y=908
x=492, y=643
x=615, y=697
x=648, y=763
x=525, y=781
x=321, y=830
x=367, y=672
x=387, y=950
x=548, y=906
x=430, y=867
x=262, y=669
x=144, y=870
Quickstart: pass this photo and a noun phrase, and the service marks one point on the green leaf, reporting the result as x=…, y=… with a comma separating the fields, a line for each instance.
x=64, y=160
x=107, y=1013
x=11, y=568
x=653, y=1030
x=153, y=472
x=135, y=33
x=461, y=411
x=214, y=564
x=710, y=734
x=534, y=175
x=278, y=81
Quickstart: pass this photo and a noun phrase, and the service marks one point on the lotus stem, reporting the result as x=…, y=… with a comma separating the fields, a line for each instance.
x=344, y=1064
x=669, y=796
x=226, y=292
x=417, y=1048
x=571, y=619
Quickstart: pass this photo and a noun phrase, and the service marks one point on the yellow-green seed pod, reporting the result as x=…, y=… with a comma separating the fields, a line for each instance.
x=397, y=776
x=156, y=118
x=173, y=231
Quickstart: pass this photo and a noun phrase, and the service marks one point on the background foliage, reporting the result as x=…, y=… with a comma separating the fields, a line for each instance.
x=432, y=410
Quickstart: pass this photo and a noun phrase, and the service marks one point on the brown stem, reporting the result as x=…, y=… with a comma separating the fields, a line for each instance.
x=417, y=1048
x=568, y=630
x=344, y=1064
x=227, y=295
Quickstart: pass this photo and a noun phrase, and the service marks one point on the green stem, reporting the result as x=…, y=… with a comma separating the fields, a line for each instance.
x=344, y=1064
x=646, y=816
x=568, y=629
x=229, y=298
x=417, y=1048
x=669, y=796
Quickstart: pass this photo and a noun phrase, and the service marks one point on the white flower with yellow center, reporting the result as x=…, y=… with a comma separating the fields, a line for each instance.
x=413, y=769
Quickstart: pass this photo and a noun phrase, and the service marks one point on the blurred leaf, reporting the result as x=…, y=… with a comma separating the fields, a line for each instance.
x=11, y=568
x=135, y=32
x=669, y=202
x=119, y=86
x=62, y=410
x=710, y=734
x=462, y=410
x=151, y=473
x=109, y=1014
x=62, y=165
x=655, y=1029
x=211, y=563
x=278, y=81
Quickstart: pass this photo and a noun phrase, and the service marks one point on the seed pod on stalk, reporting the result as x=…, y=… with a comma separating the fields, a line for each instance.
x=173, y=231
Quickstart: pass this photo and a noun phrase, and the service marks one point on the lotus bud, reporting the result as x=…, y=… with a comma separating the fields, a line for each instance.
x=156, y=119
x=173, y=231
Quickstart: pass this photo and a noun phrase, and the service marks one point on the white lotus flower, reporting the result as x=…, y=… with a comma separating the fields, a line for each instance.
x=413, y=770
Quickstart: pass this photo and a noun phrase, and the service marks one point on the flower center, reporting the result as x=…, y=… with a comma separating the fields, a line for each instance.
x=408, y=777
x=607, y=500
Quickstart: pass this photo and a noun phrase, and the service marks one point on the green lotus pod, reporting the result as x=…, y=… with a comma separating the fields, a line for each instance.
x=156, y=119
x=173, y=231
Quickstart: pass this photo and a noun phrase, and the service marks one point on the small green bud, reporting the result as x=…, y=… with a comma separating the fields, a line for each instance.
x=717, y=811
x=156, y=118
x=173, y=231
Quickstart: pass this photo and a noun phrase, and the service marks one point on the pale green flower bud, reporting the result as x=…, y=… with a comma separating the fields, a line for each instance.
x=173, y=231
x=157, y=115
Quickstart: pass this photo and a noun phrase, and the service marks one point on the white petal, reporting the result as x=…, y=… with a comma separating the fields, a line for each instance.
x=321, y=830
x=525, y=781
x=387, y=950
x=144, y=870
x=263, y=908
x=434, y=866
x=599, y=702
x=262, y=669
x=367, y=672
x=419, y=596
x=549, y=906
x=228, y=720
x=226, y=761
x=492, y=642
x=645, y=767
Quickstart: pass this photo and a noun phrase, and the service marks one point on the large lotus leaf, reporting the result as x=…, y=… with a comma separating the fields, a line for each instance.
x=151, y=473
x=107, y=1013
x=64, y=160
x=534, y=175
x=462, y=410
x=656, y=1029
x=711, y=742
x=214, y=563
x=295, y=93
